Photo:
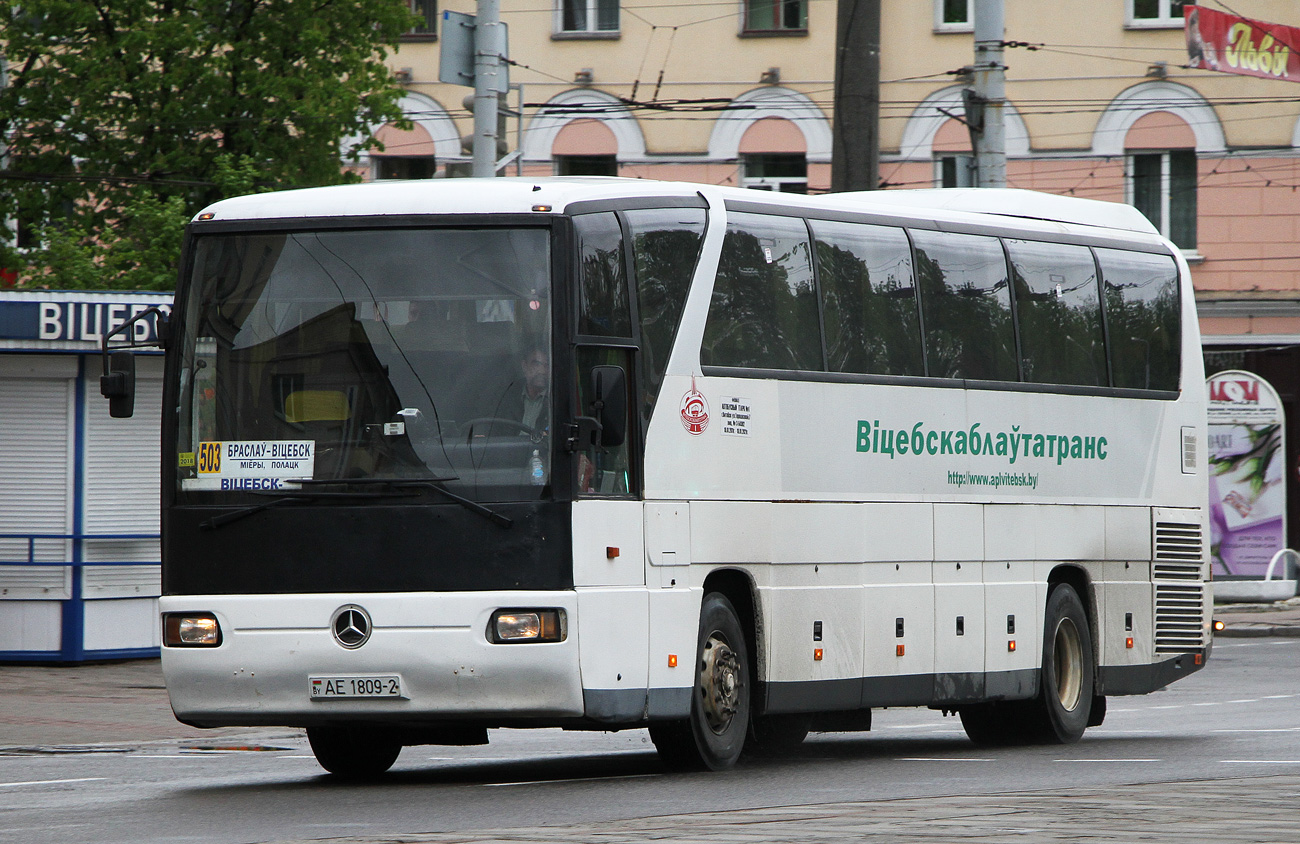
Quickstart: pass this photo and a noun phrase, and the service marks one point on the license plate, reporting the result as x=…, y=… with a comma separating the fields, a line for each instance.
x=355, y=686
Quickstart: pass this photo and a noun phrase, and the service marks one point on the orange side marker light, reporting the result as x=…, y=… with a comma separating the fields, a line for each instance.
x=1128, y=643
x=900, y=650
x=817, y=654
x=1011, y=646
x=672, y=660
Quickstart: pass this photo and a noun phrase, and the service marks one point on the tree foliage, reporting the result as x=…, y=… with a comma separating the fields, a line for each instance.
x=121, y=117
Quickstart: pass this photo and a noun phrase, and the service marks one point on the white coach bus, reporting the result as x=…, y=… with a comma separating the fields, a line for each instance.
x=730, y=465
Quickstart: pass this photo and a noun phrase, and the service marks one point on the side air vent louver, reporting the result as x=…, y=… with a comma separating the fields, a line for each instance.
x=1180, y=613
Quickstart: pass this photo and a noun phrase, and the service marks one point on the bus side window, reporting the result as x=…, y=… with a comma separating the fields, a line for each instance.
x=868, y=299
x=1058, y=311
x=665, y=249
x=1142, y=310
x=603, y=308
x=764, y=309
x=967, y=306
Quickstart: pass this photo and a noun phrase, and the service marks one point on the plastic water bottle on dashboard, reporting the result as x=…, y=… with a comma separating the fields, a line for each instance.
x=537, y=472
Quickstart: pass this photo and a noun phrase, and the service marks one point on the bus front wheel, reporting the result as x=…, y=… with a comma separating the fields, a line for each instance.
x=714, y=734
x=353, y=753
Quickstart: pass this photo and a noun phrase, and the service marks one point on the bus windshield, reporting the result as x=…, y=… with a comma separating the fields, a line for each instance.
x=365, y=356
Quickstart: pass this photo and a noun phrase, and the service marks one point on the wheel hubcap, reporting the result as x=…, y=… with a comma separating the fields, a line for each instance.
x=720, y=683
x=1069, y=664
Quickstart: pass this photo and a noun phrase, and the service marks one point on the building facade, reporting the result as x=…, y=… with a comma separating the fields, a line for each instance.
x=1100, y=105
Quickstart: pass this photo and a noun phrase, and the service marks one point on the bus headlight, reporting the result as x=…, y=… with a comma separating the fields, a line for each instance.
x=191, y=630
x=528, y=625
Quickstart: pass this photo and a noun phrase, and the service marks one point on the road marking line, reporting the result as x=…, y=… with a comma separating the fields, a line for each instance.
x=1108, y=760
x=576, y=779
x=48, y=782
x=1259, y=761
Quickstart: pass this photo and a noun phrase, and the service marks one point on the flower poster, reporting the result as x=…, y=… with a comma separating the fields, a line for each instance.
x=1247, y=457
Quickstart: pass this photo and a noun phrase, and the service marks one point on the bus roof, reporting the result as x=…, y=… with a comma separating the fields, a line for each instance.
x=555, y=194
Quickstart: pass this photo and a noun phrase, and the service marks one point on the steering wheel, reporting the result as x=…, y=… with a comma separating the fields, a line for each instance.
x=467, y=428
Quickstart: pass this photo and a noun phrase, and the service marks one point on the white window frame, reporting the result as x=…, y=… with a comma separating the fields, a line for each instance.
x=745, y=14
x=430, y=30
x=963, y=160
x=1166, y=189
x=591, y=30
x=940, y=25
x=1163, y=20
x=773, y=183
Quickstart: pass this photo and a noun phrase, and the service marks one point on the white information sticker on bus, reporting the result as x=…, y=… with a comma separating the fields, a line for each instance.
x=736, y=417
x=354, y=686
x=252, y=464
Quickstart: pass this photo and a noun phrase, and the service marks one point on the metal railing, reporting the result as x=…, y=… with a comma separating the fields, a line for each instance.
x=72, y=621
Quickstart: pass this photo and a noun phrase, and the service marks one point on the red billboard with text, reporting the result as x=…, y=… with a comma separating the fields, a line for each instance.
x=1231, y=44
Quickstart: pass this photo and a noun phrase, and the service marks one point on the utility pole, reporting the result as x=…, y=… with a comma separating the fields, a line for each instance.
x=989, y=96
x=489, y=49
x=855, y=142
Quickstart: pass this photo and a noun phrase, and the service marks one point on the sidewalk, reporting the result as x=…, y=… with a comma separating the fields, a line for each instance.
x=1248, y=620
x=94, y=704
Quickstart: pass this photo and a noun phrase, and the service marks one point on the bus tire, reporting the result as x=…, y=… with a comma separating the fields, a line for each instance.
x=353, y=753
x=1064, y=703
x=713, y=736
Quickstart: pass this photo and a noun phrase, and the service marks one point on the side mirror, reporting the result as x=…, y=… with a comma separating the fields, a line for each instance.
x=609, y=387
x=117, y=384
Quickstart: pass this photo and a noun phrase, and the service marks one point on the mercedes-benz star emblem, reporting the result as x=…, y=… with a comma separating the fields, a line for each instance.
x=351, y=626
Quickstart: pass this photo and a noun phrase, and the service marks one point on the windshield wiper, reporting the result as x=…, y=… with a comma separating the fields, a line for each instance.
x=435, y=484
x=289, y=496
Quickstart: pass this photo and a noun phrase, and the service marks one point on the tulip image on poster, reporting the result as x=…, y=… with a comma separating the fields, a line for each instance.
x=1247, y=474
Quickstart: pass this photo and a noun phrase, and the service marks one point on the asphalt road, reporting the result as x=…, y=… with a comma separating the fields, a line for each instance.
x=1236, y=721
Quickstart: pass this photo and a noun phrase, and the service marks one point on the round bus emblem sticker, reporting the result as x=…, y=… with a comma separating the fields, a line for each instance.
x=695, y=411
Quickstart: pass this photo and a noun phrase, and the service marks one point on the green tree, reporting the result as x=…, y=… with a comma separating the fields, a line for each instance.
x=122, y=118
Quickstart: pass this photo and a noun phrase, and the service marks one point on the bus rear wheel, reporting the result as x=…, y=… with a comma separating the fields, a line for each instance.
x=1064, y=703
x=713, y=735
x=353, y=753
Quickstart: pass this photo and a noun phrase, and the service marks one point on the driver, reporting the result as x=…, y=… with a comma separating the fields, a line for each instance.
x=535, y=397
x=527, y=399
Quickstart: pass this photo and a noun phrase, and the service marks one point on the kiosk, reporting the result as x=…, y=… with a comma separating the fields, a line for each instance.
x=79, y=552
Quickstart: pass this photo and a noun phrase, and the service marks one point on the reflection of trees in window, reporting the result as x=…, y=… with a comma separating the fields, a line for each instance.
x=602, y=282
x=764, y=309
x=967, y=306
x=665, y=248
x=1059, y=313
x=1142, y=310
x=869, y=299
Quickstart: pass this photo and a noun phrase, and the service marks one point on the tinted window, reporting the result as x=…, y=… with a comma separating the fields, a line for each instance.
x=1059, y=313
x=665, y=248
x=1142, y=310
x=967, y=306
x=868, y=299
x=764, y=308
x=602, y=279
